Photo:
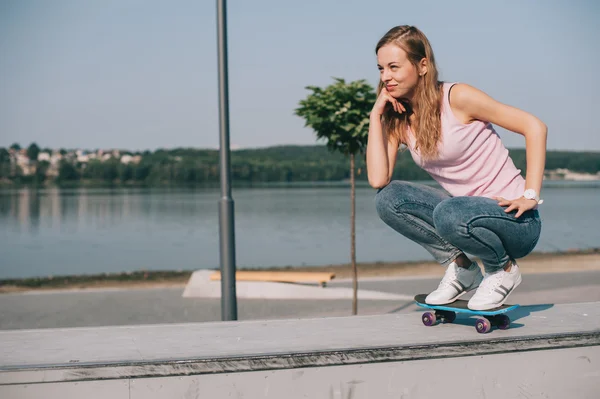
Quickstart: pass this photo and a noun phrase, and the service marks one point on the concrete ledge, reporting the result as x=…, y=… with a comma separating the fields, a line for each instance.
x=279, y=276
x=185, y=367
x=84, y=354
x=201, y=285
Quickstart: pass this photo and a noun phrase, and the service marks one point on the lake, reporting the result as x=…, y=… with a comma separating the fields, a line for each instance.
x=56, y=231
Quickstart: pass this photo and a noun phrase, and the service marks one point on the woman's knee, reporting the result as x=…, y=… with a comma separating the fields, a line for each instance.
x=389, y=198
x=448, y=218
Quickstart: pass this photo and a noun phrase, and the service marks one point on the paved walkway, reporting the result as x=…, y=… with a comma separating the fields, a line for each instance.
x=166, y=305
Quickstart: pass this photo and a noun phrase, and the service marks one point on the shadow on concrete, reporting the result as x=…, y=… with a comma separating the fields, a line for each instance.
x=524, y=311
x=469, y=321
x=517, y=314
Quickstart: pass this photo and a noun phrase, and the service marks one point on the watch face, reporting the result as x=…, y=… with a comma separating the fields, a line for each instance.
x=529, y=194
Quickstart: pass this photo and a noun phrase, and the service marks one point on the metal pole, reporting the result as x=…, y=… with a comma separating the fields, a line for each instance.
x=226, y=220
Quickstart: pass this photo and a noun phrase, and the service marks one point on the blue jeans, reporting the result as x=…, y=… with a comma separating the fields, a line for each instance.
x=450, y=226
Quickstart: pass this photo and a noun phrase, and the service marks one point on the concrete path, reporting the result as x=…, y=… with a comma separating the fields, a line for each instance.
x=166, y=305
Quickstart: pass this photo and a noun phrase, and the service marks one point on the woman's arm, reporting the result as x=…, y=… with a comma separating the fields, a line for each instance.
x=473, y=104
x=382, y=150
x=381, y=154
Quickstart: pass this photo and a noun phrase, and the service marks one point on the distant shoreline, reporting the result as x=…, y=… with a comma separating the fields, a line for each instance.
x=550, y=183
x=537, y=262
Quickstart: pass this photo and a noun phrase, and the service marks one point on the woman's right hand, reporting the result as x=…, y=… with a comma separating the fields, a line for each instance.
x=384, y=98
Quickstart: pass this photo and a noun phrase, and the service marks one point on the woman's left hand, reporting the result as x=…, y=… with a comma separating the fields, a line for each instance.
x=521, y=204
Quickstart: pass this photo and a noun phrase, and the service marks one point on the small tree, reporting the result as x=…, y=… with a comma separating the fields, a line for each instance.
x=4, y=155
x=33, y=151
x=339, y=114
x=41, y=171
x=67, y=171
x=5, y=164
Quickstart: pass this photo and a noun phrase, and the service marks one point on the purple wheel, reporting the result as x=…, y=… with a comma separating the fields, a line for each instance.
x=503, y=322
x=428, y=318
x=483, y=326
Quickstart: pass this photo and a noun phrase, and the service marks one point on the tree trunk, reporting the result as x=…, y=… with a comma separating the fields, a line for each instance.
x=353, y=237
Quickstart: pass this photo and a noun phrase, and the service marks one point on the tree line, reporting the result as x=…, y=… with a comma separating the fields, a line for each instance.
x=289, y=163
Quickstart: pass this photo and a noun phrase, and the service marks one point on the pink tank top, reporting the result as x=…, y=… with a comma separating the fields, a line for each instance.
x=472, y=159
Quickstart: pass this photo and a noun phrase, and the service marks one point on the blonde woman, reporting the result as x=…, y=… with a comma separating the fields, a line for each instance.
x=487, y=209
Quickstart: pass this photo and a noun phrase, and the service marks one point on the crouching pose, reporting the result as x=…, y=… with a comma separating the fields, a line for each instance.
x=487, y=209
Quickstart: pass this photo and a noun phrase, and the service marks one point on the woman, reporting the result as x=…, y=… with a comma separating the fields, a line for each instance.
x=491, y=211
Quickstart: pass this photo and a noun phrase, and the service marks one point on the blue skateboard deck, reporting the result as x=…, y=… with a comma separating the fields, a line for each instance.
x=447, y=314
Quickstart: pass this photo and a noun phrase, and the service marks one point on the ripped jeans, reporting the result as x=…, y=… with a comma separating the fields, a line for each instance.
x=450, y=226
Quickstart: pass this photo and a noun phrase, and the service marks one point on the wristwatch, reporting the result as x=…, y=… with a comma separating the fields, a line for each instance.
x=531, y=194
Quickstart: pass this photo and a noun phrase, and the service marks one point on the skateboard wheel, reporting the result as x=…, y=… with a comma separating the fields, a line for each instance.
x=503, y=322
x=483, y=326
x=428, y=318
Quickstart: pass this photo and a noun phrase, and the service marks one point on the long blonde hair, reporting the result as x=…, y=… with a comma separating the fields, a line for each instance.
x=426, y=104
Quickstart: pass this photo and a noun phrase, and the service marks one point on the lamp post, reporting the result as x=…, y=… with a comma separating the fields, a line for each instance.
x=226, y=205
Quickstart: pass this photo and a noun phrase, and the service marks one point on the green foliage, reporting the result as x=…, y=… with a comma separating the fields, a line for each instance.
x=581, y=162
x=339, y=113
x=273, y=164
x=5, y=167
x=4, y=155
x=67, y=172
x=40, y=171
x=33, y=151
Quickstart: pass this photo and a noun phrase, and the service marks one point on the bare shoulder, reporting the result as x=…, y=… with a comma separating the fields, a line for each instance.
x=470, y=103
x=463, y=100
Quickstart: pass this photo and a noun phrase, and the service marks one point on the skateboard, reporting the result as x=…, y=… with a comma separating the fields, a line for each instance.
x=447, y=313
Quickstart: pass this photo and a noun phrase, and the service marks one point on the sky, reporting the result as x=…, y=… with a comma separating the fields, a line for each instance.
x=142, y=74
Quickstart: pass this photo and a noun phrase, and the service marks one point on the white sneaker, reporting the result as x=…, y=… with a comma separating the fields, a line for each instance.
x=495, y=288
x=456, y=282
